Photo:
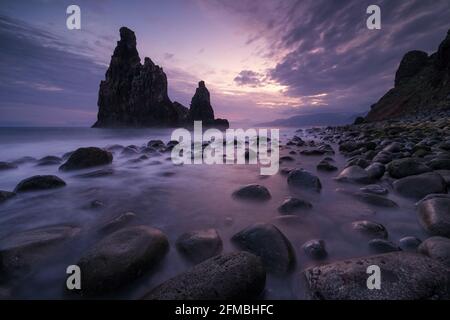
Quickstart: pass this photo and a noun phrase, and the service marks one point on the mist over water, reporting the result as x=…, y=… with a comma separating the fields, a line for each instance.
x=175, y=199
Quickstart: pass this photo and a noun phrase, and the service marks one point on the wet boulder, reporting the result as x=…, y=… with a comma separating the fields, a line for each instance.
x=120, y=258
x=434, y=215
x=230, y=276
x=369, y=229
x=253, y=192
x=7, y=165
x=117, y=222
x=419, y=186
x=325, y=165
x=409, y=243
x=22, y=251
x=374, y=199
x=294, y=205
x=197, y=246
x=315, y=249
x=83, y=158
x=49, y=161
x=302, y=179
x=406, y=167
x=354, y=174
x=37, y=183
x=374, y=189
x=382, y=246
x=6, y=195
x=269, y=243
x=409, y=276
x=375, y=170
x=437, y=248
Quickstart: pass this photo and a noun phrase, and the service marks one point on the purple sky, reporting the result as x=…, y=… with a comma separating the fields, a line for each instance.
x=261, y=60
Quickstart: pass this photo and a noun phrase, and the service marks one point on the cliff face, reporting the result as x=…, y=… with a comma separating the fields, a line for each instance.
x=422, y=84
x=135, y=94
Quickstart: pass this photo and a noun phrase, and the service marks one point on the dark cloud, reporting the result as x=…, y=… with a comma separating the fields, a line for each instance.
x=39, y=79
x=249, y=78
x=325, y=46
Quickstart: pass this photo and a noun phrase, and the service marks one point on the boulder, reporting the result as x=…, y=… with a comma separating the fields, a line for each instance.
x=6, y=195
x=7, y=165
x=198, y=246
x=406, y=167
x=37, y=183
x=49, y=161
x=254, y=192
x=419, y=186
x=303, y=179
x=407, y=276
x=354, y=174
x=326, y=166
x=230, y=276
x=294, y=205
x=120, y=258
x=375, y=200
x=409, y=243
x=437, y=248
x=434, y=215
x=375, y=170
x=370, y=229
x=382, y=246
x=21, y=252
x=269, y=243
x=315, y=249
x=374, y=189
x=84, y=158
x=115, y=223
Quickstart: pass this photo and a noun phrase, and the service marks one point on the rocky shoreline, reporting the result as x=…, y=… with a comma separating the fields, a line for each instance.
x=408, y=159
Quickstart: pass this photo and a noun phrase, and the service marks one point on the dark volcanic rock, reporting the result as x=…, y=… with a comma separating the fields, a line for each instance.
x=303, y=179
x=7, y=166
x=49, y=161
x=315, y=249
x=437, y=248
x=406, y=167
x=376, y=170
x=20, y=252
x=434, y=215
x=293, y=205
x=354, y=174
x=382, y=246
x=201, y=105
x=198, y=246
x=117, y=222
x=120, y=258
x=326, y=166
x=252, y=192
x=84, y=158
x=421, y=84
x=419, y=186
x=132, y=94
x=375, y=200
x=269, y=243
x=409, y=243
x=36, y=183
x=370, y=229
x=226, y=277
x=408, y=276
x=5, y=195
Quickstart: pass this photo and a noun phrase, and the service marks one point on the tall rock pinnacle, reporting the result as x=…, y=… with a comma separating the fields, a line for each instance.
x=201, y=108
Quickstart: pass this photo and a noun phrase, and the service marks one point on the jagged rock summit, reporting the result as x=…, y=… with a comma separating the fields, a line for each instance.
x=135, y=94
x=422, y=85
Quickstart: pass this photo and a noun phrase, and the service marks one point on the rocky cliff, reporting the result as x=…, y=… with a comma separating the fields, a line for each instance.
x=135, y=94
x=422, y=85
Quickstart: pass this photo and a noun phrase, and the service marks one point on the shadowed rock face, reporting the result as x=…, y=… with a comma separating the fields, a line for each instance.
x=132, y=94
x=201, y=105
x=422, y=83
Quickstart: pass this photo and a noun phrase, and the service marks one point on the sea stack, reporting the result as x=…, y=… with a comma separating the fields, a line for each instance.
x=134, y=95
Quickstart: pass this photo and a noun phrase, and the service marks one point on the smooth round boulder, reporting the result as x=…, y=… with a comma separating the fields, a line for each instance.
x=37, y=183
x=437, y=248
x=370, y=229
x=6, y=195
x=375, y=170
x=49, y=161
x=302, y=179
x=253, y=192
x=325, y=165
x=115, y=223
x=419, y=186
x=197, y=246
x=120, y=258
x=439, y=164
x=382, y=246
x=7, y=165
x=354, y=174
x=407, y=276
x=409, y=243
x=375, y=200
x=434, y=215
x=315, y=249
x=406, y=167
x=20, y=252
x=375, y=189
x=83, y=158
x=230, y=276
x=294, y=205
x=268, y=242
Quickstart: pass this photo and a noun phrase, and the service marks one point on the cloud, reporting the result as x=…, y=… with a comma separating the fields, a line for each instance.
x=168, y=56
x=323, y=46
x=249, y=78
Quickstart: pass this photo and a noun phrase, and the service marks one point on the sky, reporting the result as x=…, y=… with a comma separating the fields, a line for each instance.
x=261, y=60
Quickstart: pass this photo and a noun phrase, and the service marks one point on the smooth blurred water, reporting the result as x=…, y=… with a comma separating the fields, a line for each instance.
x=175, y=199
